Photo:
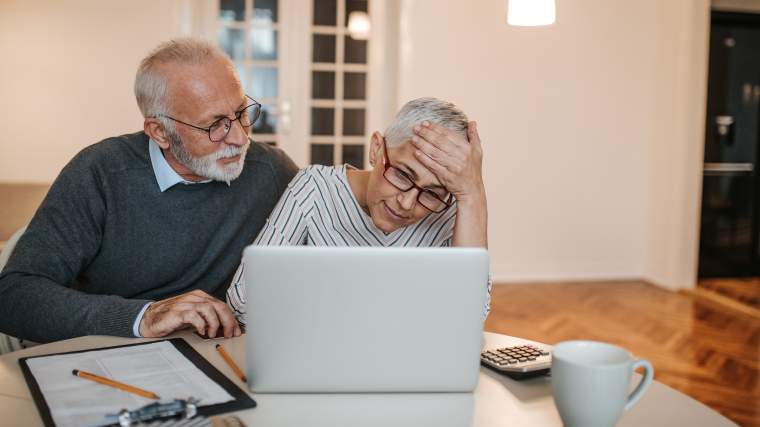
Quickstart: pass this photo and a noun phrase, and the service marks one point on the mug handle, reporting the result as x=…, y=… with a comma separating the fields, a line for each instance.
x=646, y=380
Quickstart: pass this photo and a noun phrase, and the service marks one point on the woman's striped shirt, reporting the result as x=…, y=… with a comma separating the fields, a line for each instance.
x=319, y=209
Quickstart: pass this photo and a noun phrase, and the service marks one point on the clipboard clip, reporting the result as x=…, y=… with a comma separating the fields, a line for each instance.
x=179, y=408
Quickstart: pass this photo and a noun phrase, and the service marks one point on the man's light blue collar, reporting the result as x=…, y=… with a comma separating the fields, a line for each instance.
x=166, y=177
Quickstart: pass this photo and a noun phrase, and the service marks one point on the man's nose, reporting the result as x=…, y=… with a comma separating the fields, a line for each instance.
x=238, y=134
x=407, y=199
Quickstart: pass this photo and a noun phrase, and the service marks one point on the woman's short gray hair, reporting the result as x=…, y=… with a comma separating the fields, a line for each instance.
x=418, y=110
x=151, y=82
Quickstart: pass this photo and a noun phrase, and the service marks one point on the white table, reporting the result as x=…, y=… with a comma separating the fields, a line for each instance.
x=497, y=401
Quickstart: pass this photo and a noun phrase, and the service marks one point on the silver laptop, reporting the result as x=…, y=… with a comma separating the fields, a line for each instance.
x=323, y=319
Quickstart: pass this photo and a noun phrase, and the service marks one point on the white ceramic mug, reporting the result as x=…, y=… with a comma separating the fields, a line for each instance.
x=590, y=382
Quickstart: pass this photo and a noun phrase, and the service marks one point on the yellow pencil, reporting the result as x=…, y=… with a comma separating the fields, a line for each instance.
x=231, y=362
x=111, y=383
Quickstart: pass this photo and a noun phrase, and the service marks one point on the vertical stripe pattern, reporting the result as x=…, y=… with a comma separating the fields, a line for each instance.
x=319, y=209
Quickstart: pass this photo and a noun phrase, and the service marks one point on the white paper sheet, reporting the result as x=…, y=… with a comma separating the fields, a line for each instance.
x=157, y=367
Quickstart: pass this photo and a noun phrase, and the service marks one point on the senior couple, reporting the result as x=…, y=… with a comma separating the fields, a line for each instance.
x=141, y=234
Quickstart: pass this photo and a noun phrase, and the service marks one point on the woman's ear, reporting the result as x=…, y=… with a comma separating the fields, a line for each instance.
x=375, y=148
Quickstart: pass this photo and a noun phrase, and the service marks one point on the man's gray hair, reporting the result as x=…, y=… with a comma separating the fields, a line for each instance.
x=418, y=110
x=151, y=82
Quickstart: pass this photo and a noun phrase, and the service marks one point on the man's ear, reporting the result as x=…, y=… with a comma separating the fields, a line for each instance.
x=155, y=130
x=375, y=148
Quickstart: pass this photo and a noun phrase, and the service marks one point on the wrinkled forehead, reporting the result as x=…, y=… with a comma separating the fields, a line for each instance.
x=212, y=85
x=403, y=157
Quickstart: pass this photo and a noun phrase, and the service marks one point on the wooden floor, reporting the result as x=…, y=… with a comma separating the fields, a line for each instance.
x=745, y=291
x=708, y=353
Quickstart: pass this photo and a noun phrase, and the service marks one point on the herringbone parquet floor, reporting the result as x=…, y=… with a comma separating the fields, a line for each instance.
x=710, y=354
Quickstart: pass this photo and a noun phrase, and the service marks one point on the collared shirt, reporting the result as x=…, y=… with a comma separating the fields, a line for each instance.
x=166, y=178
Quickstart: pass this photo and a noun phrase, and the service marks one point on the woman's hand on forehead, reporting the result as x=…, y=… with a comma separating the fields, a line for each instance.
x=455, y=161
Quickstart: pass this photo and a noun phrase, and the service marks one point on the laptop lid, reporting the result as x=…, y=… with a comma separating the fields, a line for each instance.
x=327, y=319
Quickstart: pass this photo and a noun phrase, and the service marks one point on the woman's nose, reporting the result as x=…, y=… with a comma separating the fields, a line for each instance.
x=407, y=199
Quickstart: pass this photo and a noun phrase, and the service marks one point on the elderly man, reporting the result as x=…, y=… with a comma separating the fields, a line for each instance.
x=141, y=233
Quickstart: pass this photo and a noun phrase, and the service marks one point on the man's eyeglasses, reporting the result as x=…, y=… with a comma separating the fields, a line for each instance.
x=220, y=128
x=429, y=199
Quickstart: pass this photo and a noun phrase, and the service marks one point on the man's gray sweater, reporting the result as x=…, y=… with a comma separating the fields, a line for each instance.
x=106, y=240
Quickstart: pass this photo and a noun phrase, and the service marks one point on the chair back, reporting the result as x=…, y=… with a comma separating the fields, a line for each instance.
x=7, y=342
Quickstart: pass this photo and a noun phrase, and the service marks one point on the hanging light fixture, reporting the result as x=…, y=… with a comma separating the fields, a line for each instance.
x=530, y=13
x=359, y=25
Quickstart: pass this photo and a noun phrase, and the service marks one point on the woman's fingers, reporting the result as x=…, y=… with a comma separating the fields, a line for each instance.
x=438, y=169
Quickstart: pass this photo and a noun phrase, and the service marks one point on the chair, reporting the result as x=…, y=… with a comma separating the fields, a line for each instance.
x=7, y=342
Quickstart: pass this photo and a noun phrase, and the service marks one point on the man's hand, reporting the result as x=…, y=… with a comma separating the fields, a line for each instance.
x=456, y=161
x=195, y=309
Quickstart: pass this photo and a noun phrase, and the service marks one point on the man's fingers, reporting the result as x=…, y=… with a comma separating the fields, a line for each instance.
x=226, y=317
x=196, y=308
x=206, y=310
x=192, y=317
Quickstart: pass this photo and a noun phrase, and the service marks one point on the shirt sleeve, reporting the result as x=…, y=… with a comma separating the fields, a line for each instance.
x=287, y=225
x=39, y=297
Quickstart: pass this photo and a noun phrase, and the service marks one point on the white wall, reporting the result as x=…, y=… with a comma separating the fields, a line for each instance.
x=66, y=75
x=569, y=115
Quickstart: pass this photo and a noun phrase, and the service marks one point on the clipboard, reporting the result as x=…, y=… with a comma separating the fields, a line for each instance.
x=241, y=400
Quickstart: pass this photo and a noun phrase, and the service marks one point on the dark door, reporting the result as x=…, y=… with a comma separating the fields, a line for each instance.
x=730, y=226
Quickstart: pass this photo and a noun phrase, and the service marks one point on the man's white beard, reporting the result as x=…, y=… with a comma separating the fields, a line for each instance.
x=207, y=166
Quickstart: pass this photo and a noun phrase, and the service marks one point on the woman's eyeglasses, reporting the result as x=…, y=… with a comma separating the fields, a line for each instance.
x=429, y=199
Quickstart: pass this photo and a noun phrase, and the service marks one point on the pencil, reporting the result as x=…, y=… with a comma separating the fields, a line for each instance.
x=111, y=383
x=231, y=362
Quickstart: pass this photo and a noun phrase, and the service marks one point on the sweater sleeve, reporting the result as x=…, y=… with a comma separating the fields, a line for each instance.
x=40, y=298
x=286, y=226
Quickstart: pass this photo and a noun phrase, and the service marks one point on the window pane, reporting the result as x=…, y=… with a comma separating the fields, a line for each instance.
x=233, y=42
x=232, y=10
x=354, y=85
x=264, y=11
x=354, y=155
x=323, y=48
x=264, y=83
x=264, y=43
x=355, y=6
x=353, y=121
x=322, y=121
x=325, y=12
x=356, y=51
x=267, y=122
x=323, y=84
x=244, y=78
x=322, y=154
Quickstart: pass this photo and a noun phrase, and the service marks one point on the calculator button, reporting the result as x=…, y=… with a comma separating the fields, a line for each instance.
x=532, y=358
x=511, y=361
x=523, y=359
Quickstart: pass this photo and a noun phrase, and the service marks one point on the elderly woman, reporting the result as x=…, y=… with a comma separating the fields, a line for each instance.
x=424, y=189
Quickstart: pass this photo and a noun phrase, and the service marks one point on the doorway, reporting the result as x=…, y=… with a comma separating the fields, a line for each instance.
x=729, y=252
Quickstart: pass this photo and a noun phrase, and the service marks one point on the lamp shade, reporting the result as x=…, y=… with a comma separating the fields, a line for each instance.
x=530, y=13
x=359, y=25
